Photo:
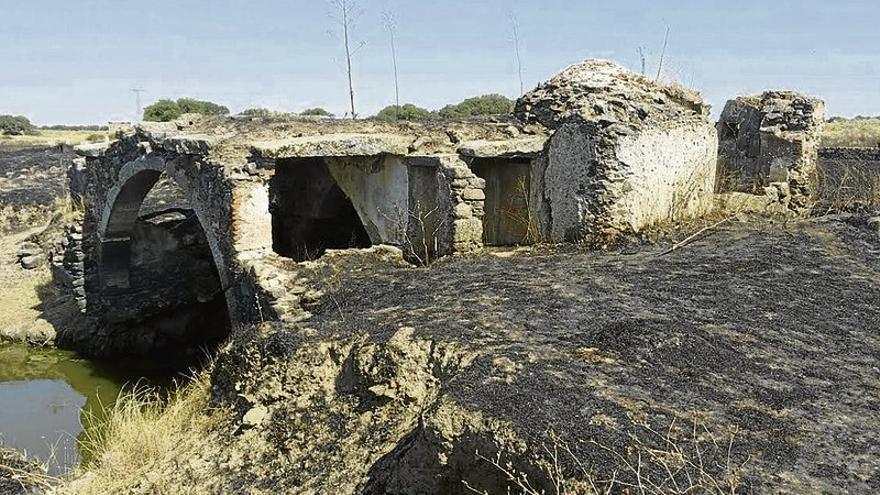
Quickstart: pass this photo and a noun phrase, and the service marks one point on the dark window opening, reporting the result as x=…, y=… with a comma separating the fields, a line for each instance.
x=310, y=212
x=507, y=220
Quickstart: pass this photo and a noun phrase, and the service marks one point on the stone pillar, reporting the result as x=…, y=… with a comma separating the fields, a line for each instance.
x=465, y=197
x=251, y=222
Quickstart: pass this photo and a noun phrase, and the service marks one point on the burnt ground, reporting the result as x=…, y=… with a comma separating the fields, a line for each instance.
x=768, y=331
x=33, y=176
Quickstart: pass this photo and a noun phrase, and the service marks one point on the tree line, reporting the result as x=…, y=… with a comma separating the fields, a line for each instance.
x=492, y=104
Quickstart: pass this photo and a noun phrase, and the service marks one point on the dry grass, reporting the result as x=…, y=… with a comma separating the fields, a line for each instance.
x=17, y=469
x=45, y=137
x=848, y=187
x=683, y=459
x=24, y=292
x=852, y=132
x=62, y=211
x=143, y=429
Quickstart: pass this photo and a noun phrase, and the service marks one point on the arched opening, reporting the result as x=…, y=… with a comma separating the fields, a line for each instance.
x=161, y=288
x=310, y=212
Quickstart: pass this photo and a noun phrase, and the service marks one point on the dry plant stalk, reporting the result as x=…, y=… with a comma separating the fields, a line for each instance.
x=675, y=466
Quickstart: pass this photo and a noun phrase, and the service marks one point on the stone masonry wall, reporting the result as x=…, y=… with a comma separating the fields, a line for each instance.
x=464, y=199
x=626, y=153
x=772, y=141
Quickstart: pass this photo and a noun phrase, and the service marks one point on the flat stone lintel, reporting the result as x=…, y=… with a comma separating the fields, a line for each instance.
x=509, y=148
x=189, y=144
x=334, y=145
x=93, y=150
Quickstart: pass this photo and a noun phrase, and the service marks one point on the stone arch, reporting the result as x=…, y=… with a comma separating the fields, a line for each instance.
x=121, y=210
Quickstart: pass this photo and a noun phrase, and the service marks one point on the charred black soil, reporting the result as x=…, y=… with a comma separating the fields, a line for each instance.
x=33, y=176
x=770, y=330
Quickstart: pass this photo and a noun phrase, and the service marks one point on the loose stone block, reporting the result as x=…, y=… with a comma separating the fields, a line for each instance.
x=473, y=195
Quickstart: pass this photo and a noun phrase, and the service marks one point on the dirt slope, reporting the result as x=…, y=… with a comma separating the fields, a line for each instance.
x=748, y=359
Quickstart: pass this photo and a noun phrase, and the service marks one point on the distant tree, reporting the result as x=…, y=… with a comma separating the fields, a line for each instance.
x=61, y=127
x=191, y=105
x=316, y=112
x=492, y=104
x=408, y=111
x=257, y=112
x=168, y=110
x=642, y=59
x=16, y=125
x=162, y=111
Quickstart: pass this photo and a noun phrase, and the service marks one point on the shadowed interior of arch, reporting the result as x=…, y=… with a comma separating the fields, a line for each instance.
x=161, y=288
x=310, y=212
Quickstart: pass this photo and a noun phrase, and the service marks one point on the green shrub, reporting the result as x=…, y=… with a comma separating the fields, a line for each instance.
x=493, y=104
x=96, y=138
x=16, y=125
x=393, y=113
x=257, y=112
x=162, y=111
x=168, y=110
x=191, y=105
x=316, y=112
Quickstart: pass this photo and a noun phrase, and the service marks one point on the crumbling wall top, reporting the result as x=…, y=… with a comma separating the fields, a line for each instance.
x=789, y=111
x=606, y=93
x=226, y=140
x=336, y=145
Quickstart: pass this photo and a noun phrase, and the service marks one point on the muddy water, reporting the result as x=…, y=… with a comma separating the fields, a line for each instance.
x=47, y=396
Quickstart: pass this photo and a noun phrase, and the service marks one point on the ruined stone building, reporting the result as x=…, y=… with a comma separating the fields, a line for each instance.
x=201, y=225
x=771, y=143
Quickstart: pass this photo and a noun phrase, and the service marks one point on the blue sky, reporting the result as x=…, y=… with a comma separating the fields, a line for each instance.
x=74, y=61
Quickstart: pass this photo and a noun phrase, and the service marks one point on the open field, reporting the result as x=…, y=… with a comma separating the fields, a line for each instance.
x=46, y=137
x=852, y=132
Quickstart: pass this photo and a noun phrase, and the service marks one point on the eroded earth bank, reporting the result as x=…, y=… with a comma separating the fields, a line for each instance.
x=745, y=362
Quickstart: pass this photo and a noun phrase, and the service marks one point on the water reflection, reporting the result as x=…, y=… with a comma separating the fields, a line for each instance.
x=47, y=395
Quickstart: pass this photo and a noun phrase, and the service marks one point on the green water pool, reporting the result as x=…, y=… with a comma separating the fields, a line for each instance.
x=48, y=397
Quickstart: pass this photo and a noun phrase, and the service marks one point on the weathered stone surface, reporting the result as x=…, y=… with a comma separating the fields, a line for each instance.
x=189, y=144
x=467, y=230
x=473, y=194
x=92, y=150
x=31, y=262
x=463, y=210
x=604, y=92
x=523, y=147
x=627, y=153
x=28, y=249
x=773, y=137
x=335, y=145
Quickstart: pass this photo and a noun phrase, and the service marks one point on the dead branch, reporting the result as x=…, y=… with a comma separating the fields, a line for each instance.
x=695, y=235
